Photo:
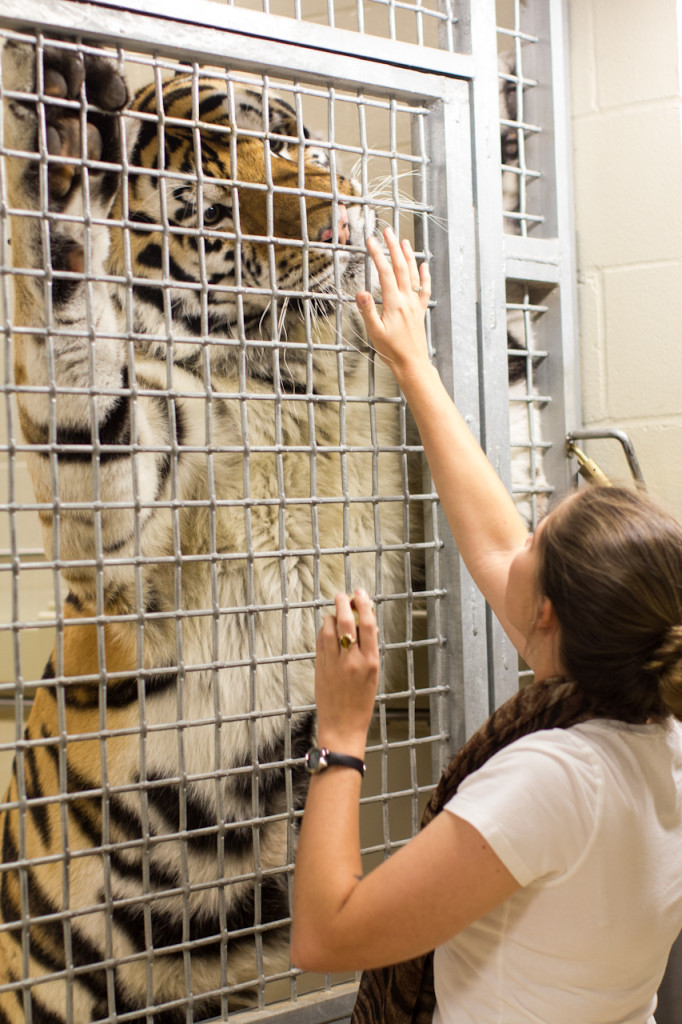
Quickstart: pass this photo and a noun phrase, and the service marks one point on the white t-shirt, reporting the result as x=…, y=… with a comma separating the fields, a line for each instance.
x=589, y=822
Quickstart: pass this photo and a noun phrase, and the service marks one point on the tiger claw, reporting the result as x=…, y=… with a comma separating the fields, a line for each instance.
x=64, y=73
x=116, y=96
x=63, y=140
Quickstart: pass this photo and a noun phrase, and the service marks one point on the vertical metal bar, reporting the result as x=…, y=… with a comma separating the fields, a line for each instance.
x=23, y=995
x=422, y=237
x=454, y=323
x=534, y=62
x=561, y=125
x=453, y=27
x=502, y=669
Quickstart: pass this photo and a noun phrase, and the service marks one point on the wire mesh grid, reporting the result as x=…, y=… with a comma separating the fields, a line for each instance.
x=530, y=485
x=214, y=453
x=212, y=458
x=529, y=212
x=523, y=212
x=429, y=23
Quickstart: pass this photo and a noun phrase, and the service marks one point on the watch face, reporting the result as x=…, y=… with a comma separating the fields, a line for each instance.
x=315, y=760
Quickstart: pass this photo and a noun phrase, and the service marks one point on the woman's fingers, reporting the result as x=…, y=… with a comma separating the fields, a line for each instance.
x=412, y=267
x=354, y=623
x=425, y=282
x=368, y=312
x=345, y=621
x=366, y=623
x=327, y=636
x=420, y=279
x=402, y=273
x=396, y=330
x=387, y=278
x=401, y=269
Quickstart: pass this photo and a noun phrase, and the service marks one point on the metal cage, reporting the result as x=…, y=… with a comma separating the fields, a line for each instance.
x=268, y=446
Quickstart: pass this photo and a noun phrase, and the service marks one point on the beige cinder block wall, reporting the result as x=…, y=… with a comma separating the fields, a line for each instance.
x=625, y=93
x=625, y=75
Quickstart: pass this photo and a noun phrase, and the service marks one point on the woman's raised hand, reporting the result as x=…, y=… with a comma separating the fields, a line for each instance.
x=398, y=334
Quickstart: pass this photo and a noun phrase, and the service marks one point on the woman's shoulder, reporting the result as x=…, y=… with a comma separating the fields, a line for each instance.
x=581, y=758
x=536, y=802
x=644, y=749
x=549, y=760
x=540, y=801
x=597, y=734
x=604, y=733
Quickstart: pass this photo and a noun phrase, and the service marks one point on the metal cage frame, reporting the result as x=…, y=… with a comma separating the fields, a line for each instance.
x=472, y=666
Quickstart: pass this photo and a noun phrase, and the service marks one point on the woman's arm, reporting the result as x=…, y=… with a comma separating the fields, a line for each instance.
x=436, y=885
x=486, y=526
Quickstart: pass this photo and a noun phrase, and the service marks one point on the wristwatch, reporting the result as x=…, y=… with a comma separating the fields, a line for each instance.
x=319, y=758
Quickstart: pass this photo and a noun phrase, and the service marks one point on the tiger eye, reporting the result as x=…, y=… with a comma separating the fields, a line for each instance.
x=213, y=214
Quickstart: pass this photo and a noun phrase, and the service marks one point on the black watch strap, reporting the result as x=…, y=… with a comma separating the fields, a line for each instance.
x=319, y=758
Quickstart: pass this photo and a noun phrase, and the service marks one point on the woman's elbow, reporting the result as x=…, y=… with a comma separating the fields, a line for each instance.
x=308, y=952
x=306, y=957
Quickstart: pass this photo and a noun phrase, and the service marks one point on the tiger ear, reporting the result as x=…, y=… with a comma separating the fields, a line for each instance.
x=283, y=121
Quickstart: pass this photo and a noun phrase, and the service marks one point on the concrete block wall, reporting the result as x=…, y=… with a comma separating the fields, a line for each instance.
x=627, y=138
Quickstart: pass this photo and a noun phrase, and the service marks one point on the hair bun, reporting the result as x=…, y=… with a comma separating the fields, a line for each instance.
x=666, y=663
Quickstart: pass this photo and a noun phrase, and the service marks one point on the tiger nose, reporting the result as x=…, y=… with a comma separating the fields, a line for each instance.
x=343, y=228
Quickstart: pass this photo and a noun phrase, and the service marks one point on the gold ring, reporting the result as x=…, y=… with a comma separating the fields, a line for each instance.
x=418, y=290
x=346, y=641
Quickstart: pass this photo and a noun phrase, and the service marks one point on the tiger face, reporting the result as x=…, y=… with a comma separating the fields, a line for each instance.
x=234, y=221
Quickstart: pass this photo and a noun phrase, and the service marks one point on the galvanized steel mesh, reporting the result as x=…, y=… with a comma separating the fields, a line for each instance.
x=405, y=140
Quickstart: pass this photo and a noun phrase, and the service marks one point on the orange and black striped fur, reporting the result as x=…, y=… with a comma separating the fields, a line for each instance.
x=180, y=422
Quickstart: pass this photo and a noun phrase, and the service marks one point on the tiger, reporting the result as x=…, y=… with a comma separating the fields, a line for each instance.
x=207, y=477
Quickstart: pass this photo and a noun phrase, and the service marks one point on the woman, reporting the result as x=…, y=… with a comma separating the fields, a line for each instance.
x=551, y=889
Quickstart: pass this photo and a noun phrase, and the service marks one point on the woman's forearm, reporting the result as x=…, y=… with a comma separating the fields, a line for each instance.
x=430, y=889
x=328, y=861
x=482, y=516
x=328, y=867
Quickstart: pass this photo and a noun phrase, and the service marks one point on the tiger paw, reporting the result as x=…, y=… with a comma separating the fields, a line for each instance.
x=64, y=74
x=65, y=82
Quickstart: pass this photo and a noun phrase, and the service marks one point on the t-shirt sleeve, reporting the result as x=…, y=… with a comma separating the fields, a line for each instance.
x=536, y=803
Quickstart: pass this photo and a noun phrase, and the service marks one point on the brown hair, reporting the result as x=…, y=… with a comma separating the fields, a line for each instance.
x=611, y=564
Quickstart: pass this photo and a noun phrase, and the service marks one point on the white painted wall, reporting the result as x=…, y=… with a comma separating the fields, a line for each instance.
x=626, y=103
